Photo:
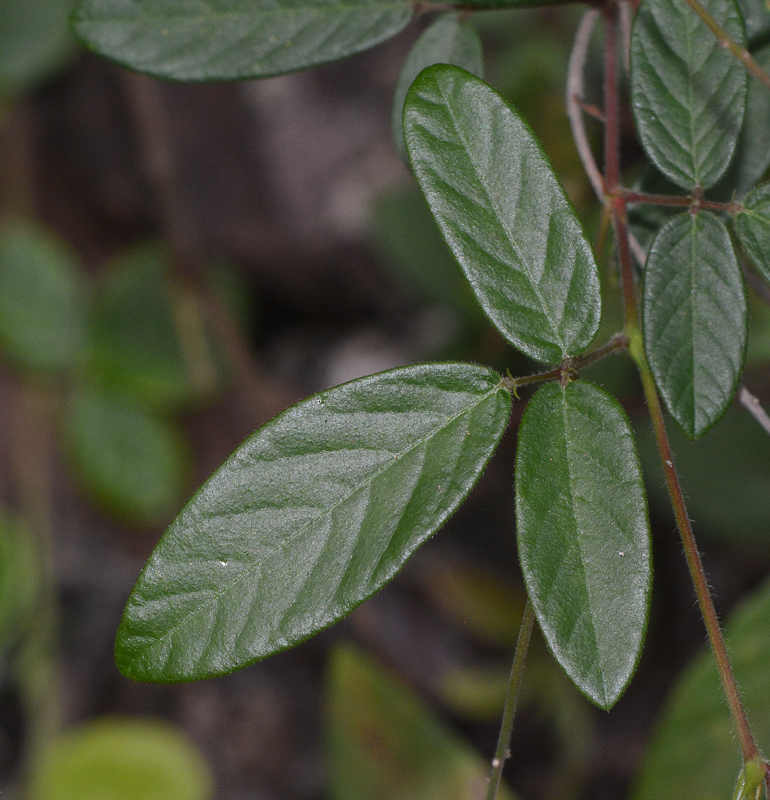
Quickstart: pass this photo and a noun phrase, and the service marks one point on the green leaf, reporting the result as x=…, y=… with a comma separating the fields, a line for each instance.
x=694, y=752
x=19, y=580
x=34, y=42
x=688, y=95
x=385, y=743
x=503, y=213
x=584, y=534
x=695, y=319
x=219, y=40
x=132, y=463
x=449, y=40
x=756, y=17
x=752, y=227
x=42, y=299
x=313, y=514
x=122, y=759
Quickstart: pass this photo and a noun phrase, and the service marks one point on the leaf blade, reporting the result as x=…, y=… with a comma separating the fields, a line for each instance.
x=220, y=40
x=753, y=228
x=270, y=550
x=688, y=96
x=695, y=319
x=584, y=534
x=503, y=214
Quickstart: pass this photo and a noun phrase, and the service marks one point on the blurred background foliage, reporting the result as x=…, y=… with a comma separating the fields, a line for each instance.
x=178, y=264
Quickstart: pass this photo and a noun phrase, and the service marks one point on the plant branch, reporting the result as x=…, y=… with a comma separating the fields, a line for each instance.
x=511, y=699
x=680, y=202
x=725, y=41
x=751, y=404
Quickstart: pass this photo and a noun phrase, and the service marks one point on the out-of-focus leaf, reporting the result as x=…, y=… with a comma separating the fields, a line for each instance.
x=220, y=40
x=312, y=515
x=122, y=759
x=503, y=213
x=695, y=319
x=695, y=752
x=688, y=96
x=136, y=344
x=753, y=228
x=725, y=476
x=35, y=42
x=386, y=744
x=132, y=463
x=42, y=299
x=449, y=40
x=19, y=577
x=756, y=16
x=584, y=534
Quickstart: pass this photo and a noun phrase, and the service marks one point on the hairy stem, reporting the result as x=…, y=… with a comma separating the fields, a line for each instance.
x=511, y=699
x=680, y=202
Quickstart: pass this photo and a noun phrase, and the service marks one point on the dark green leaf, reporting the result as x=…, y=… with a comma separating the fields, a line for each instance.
x=132, y=463
x=450, y=40
x=385, y=743
x=19, y=580
x=503, y=213
x=314, y=513
x=756, y=17
x=695, y=753
x=753, y=228
x=584, y=535
x=215, y=40
x=122, y=759
x=42, y=299
x=688, y=95
x=34, y=42
x=695, y=319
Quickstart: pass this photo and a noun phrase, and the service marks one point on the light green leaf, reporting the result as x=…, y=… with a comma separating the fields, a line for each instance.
x=688, y=95
x=313, y=514
x=132, y=463
x=385, y=743
x=449, y=40
x=694, y=752
x=42, y=299
x=34, y=42
x=503, y=213
x=122, y=759
x=584, y=534
x=695, y=319
x=753, y=228
x=219, y=40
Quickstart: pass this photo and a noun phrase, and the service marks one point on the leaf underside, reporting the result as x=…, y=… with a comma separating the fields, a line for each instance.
x=503, y=213
x=219, y=40
x=753, y=228
x=687, y=94
x=313, y=514
x=584, y=534
x=695, y=319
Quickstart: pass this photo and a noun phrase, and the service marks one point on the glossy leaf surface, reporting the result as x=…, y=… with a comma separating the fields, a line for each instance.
x=132, y=463
x=695, y=319
x=385, y=742
x=584, y=534
x=309, y=517
x=42, y=299
x=753, y=228
x=214, y=40
x=449, y=40
x=695, y=752
x=503, y=213
x=688, y=95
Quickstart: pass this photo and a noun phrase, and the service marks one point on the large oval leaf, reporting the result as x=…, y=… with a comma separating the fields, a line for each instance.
x=695, y=319
x=218, y=40
x=503, y=213
x=695, y=752
x=688, y=95
x=310, y=516
x=584, y=534
x=753, y=228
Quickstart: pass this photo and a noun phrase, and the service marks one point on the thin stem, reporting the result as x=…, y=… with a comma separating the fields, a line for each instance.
x=680, y=202
x=511, y=699
x=751, y=404
x=574, y=100
x=729, y=44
